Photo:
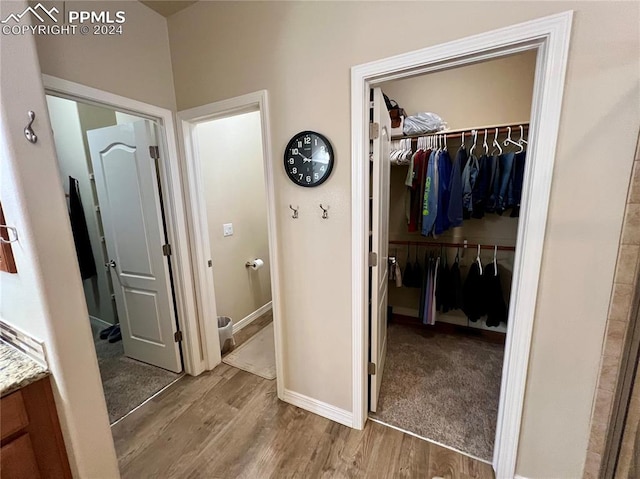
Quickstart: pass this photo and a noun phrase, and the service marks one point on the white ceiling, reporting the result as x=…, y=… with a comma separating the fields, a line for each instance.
x=168, y=8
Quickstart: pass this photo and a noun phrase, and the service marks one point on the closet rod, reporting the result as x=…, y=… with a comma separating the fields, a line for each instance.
x=452, y=245
x=515, y=129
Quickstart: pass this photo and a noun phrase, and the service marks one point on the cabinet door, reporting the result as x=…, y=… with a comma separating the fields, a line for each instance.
x=17, y=460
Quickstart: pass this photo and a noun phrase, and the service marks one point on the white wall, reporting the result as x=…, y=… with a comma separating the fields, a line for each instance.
x=45, y=299
x=73, y=161
x=305, y=65
x=135, y=64
x=230, y=151
x=494, y=92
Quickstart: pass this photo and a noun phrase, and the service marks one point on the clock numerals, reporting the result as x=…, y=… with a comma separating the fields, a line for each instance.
x=308, y=159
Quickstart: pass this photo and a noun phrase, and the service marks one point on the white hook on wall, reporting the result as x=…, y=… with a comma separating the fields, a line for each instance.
x=9, y=239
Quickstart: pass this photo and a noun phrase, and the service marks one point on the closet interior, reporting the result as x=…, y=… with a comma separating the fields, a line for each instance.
x=453, y=213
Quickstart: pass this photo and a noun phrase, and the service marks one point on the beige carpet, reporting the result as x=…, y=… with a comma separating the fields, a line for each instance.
x=442, y=387
x=127, y=383
x=257, y=355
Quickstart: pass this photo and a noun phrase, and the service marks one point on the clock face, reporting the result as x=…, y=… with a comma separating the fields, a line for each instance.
x=308, y=159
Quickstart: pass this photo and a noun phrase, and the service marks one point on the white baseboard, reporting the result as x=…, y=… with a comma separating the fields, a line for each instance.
x=107, y=324
x=519, y=477
x=251, y=317
x=318, y=407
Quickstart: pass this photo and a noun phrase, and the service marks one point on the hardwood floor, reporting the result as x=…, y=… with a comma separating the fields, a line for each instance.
x=230, y=424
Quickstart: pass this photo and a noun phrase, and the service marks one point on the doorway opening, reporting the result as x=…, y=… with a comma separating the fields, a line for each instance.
x=110, y=163
x=231, y=198
x=549, y=38
x=229, y=153
x=446, y=191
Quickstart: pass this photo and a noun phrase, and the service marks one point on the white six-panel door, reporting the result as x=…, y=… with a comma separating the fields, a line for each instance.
x=129, y=198
x=379, y=244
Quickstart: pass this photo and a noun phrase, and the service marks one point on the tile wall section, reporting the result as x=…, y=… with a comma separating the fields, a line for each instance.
x=624, y=283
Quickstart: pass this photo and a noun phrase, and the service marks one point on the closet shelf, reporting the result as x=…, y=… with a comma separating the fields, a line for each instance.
x=502, y=128
x=452, y=245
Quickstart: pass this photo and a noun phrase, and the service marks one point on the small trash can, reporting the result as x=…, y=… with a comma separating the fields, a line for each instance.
x=225, y=333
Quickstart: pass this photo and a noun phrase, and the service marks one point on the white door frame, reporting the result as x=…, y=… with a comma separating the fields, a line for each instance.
x=550, y=37
x=173, y=194
x=189, y=119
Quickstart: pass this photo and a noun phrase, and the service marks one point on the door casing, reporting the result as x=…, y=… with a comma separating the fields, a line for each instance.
x=177, y=228
x=549, y=36
x=188, y=119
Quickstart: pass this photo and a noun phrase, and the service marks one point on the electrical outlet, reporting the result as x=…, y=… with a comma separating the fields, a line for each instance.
x=227, y=229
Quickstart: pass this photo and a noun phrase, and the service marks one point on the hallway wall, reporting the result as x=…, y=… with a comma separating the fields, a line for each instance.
x=230, y=151
x=302, y=52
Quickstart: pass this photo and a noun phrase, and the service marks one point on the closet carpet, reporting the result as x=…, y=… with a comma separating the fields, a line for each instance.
x=442, y=387
x=127, y=383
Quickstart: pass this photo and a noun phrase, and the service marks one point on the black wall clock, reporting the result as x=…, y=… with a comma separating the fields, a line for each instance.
x=308, y=159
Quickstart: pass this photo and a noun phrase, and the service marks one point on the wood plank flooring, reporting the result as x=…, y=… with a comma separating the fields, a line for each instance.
x=228, y=423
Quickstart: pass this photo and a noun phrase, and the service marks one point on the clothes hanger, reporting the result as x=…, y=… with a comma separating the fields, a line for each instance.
x=484, y=144
x=457, y=259
x=475, y=139
x=478, y=260
x=496, y=144
x=495, y=260
x=462, y=146
x=522, y=140
x=445, y=142
x=509, y=141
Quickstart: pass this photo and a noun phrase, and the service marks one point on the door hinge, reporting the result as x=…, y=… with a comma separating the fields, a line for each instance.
x=166, y=249
x=154, y=152
x=371, y=368
x=374, y=131
x=373, y=259
x=177, y=336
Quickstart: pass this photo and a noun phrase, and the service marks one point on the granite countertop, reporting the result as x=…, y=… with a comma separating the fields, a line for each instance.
x=17, y=370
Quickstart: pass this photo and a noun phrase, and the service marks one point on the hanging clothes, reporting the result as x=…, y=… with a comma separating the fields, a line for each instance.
x=473, y=294
x=428, y=299
x=418, y=273
x=430, y=201
x=469, y=177
x=420, y=160
x=496, y=309
x=408, y=276
x=518, y=179
x=80, y=231
x=443, y=285
x=408, y=182
x=455, y=286
x=454, y=212
x=506, y=166
x=444, y=193
x=434, y=272
x=481, y=187
x=494, y=187
x=398, y=275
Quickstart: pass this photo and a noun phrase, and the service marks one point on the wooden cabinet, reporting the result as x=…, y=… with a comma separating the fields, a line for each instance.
x=32, y=445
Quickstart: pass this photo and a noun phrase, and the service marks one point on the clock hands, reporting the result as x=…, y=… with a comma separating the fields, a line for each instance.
x=306, y=160
x=324, y=161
